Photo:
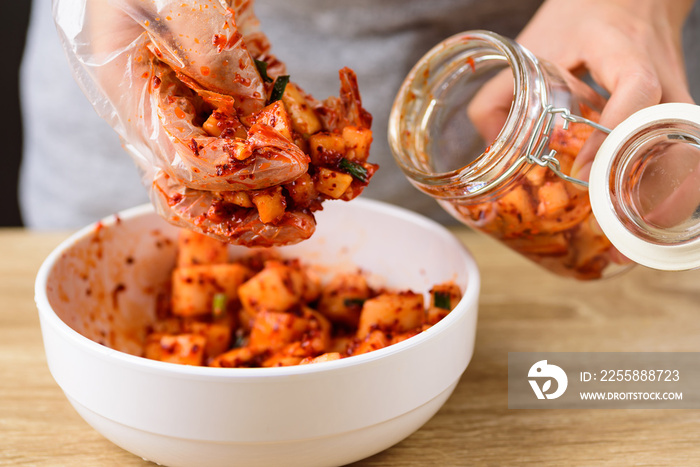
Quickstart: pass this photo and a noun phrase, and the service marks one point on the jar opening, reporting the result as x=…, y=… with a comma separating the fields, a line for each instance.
x=655, y=183
x=432, y=137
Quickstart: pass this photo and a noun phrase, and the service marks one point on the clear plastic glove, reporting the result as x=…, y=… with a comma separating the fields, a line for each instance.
x=201, y=106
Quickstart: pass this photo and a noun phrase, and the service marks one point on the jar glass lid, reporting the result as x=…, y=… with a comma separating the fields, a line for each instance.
x=645, y=187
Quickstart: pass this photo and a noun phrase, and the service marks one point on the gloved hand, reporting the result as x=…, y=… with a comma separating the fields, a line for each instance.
x=208, y=115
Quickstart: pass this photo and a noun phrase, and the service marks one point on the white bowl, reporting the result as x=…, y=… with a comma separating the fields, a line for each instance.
x=97, y=291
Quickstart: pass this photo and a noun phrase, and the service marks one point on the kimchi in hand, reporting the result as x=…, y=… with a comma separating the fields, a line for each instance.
x=229, y=146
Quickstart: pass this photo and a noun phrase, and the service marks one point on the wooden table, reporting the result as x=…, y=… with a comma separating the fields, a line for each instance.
x=523, y=308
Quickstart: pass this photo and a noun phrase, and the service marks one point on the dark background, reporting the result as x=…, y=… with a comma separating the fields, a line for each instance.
x=12, y=37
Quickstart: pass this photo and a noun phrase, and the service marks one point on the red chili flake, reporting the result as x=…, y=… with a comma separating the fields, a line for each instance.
x=176, y=198
x=470, y=62
x=218, y=41
x=194, y=147
x=221, y=42
x=156, y=82
x=115, y=294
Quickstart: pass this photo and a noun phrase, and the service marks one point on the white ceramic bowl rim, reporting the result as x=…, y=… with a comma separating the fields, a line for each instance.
x=469, y=296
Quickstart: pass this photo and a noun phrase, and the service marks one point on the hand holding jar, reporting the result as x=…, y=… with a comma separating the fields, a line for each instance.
x=631, y=48
x=515, y=165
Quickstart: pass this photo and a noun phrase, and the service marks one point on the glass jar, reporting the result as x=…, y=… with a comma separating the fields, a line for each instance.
x=518, y=188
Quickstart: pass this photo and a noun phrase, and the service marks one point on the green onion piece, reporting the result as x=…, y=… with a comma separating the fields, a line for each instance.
x=353, y=302
x=218, y=307
x=262, y=69
x=278, y=88
x=240, y=339
x=441, y=300
x=354, y=169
